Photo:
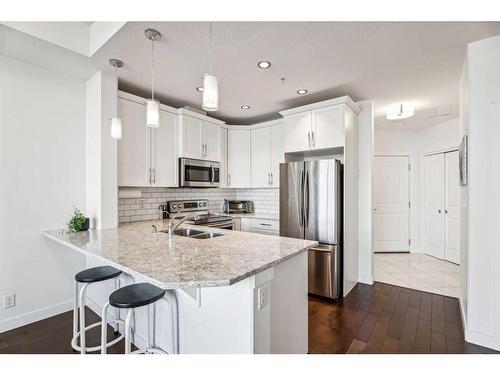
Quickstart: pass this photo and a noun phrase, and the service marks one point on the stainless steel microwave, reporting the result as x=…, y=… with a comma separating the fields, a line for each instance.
x=198, y=173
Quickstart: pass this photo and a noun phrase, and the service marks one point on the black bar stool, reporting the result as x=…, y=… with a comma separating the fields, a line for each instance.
x=129, y=297
x=87, y=277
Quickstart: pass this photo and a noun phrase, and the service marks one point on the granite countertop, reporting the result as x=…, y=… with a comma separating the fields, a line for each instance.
x=183, y=262
x=252, y=216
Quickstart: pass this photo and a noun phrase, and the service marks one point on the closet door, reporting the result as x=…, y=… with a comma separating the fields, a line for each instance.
x=434, y=205
x=451, y=208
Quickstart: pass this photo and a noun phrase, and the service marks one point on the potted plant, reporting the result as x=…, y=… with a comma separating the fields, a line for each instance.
x=78, y=222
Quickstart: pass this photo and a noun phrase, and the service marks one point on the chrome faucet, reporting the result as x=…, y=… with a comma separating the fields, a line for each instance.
x=172, y=227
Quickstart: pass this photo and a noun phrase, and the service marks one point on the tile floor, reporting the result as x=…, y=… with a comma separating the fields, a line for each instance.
x=417, y=271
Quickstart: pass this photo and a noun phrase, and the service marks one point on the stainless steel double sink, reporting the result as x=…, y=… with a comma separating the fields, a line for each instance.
x=194, y=233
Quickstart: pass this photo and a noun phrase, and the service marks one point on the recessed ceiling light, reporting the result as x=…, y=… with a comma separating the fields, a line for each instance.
x=245, y=107
x=264, y=64
x=402, y=111
x=302, y=91
x=199, y=89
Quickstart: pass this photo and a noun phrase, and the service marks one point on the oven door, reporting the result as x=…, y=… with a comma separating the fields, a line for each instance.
x=222, y=225
x=198, y=173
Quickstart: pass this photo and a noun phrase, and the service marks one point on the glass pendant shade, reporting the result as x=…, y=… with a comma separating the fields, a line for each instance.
x=116, y=128
x=210, y=100
x=152, y=114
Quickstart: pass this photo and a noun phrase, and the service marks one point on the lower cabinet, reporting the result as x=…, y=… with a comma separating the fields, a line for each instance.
x=261, y=226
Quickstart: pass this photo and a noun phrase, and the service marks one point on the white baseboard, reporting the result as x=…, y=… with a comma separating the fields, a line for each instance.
x=472, y=336
x=34, y=316
x=365, y=279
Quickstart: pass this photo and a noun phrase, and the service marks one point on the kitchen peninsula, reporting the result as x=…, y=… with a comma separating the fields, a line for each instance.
x=236, y=293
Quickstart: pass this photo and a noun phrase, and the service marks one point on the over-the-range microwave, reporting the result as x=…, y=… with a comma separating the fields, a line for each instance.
x=198, y=173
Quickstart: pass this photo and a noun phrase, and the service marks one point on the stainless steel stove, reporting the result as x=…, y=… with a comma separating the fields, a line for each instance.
x=201, y=208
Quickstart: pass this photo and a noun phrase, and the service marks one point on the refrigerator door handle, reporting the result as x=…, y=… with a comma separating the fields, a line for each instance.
x=301, y=199
x=306, y=199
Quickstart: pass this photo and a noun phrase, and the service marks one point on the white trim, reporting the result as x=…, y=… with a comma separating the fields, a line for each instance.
x=326, y=103
x=366, y=279
x=441, y=151
x=35, y=316
x=137, y=99
x=472, y=336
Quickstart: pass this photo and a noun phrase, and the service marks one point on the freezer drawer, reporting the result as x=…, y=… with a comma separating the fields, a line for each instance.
x=325, y=271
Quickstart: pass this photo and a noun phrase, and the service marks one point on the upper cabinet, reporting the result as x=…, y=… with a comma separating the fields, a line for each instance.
x=267, y=154
x=199, y=138
x=317, y=126
x=239, y=158
x=146, y=156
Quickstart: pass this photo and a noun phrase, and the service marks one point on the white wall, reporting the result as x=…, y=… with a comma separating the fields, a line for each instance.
x=480, y=118
x=415, y=143
x=42, y=164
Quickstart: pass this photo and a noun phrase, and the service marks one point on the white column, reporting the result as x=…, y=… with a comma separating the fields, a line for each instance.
x=101, y=152
x=365, y=145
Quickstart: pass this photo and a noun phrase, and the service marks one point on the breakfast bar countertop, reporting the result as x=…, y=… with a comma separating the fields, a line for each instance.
x=182, y=262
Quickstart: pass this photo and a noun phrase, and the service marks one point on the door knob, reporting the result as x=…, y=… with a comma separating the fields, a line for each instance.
x=439, y=211
x=445, y=211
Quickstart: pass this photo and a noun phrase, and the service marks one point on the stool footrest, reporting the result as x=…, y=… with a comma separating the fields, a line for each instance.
x=96, y=348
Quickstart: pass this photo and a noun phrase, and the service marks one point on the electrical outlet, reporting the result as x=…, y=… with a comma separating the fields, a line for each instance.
x=9, y=300
x=262, y=297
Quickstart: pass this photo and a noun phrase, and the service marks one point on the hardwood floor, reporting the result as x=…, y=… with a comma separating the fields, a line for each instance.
x=381, y=318
x=384, y=318
x=53, y=336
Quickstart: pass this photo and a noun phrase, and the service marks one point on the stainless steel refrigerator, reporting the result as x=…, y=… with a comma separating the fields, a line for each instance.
x=311, y=200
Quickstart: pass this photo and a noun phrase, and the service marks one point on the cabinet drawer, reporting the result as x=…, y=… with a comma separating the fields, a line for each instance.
x=266, y=232
x=268, y=225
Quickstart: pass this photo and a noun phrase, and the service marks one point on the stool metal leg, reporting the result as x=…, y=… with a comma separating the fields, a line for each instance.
x=82, y=318
x=128, y=332
x=104, y=327
x=174, y=308
x=75, y=312
x=117, y=310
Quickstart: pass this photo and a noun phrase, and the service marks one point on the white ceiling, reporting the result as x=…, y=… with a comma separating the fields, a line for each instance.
x=382, y=61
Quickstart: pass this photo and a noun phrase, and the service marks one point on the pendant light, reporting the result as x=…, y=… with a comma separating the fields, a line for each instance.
x=116, y=122
x=210, y=99
x=152, y=106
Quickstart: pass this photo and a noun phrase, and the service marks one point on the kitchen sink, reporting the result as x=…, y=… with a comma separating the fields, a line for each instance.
x=194, y=233
x=188, y=232
x=206, y=235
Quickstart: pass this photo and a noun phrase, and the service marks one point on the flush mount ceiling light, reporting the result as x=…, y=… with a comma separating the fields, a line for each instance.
x=210, y=98
x=302, y=91
x=116, y=122
x=199, y=89
x=245, y=107
x=152, y=106
x=400, y=112
x=264, y=64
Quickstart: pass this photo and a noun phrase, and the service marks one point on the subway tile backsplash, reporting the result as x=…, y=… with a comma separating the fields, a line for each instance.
x=266, y=201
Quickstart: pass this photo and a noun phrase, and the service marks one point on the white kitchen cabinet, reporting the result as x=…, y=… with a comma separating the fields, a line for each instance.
x=298, y=132
x=223, y=162
x=277, y=152
x=239, y=158
x=146, y=156
x=318, y=126
x=263, y=226
x=133, y=148
x=199, y=139
x=261, y=157
x=246, y=224
x=328, y=127
x=267, y=154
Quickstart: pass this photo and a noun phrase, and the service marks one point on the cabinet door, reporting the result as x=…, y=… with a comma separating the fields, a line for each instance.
x=328, y=127
x=246, y=224
x=133, y=150
x=191, y=137
x=261, y=157
x=297, y=132
x=165, y=165
x=212, y=142
x=239, y=161
x=223, y=162
x=277, y=153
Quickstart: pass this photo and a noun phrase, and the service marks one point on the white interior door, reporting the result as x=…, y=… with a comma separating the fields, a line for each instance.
x=434, y=205
x=451, y=208
x=391, y=213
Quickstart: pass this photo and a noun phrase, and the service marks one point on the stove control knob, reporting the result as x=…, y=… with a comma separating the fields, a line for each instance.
x=174, y=206
x=200, y=204
x=179, y=205
x=205, y=204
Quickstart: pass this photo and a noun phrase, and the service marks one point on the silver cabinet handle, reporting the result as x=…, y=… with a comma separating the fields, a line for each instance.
x=206, y=149
x=266, y=225
x=154, y=175
x=149, y=175
x=268, y=179
x=309, y=138
x=313, y=137
x=272, y=179
x=229, y=179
